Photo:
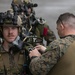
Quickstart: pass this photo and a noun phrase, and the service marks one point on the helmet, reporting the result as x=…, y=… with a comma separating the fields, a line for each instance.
x=10, y=20
x=16, y=1
x=7, y=19
x=27, y=1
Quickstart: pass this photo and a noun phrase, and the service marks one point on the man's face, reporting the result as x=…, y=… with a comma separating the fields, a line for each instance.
x=10, y=33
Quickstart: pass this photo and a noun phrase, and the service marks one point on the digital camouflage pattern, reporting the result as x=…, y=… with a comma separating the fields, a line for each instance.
x=55, y=51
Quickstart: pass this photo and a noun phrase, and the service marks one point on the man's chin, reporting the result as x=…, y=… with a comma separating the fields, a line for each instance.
x=10, y=40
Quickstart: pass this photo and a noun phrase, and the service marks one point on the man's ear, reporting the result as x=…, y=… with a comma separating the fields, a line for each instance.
x=62, y=26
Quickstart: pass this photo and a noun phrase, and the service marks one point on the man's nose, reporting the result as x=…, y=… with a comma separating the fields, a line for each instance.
x=10, y=30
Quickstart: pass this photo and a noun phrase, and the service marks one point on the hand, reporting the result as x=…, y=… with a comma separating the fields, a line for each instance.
x=40, y=48
x=34, y=52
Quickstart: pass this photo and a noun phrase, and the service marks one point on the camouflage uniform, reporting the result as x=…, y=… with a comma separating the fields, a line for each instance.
x=43, y=31
x=13, y=60
x=11, y=64
x=55, y=51
x=15, y=63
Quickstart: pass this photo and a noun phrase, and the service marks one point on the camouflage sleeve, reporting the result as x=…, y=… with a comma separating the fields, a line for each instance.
x=50, y=35
x=42, y=65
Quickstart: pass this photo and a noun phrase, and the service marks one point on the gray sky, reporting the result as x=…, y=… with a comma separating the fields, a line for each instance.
x=47, y=9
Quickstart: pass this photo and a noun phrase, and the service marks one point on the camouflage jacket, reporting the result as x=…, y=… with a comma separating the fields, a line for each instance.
x=44, y=31
x=43, y=64
x=10, y=63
